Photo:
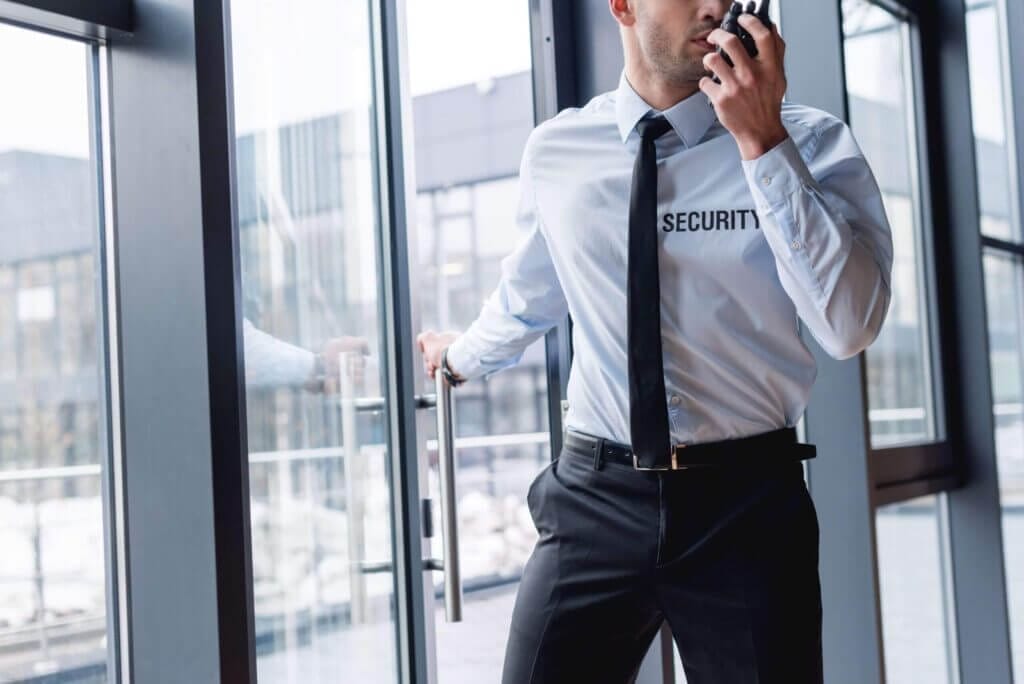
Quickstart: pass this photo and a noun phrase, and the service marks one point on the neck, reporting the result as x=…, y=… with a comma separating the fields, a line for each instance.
x=655, y=89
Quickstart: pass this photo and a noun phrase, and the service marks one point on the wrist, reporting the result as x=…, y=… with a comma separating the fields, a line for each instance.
x=317, y=373
x=756, y=145
x=450, y=373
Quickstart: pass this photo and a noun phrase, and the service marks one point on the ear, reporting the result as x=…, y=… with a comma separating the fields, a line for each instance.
x=623, y=11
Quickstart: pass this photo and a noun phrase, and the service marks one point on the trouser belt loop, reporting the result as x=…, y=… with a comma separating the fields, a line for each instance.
x=599, y=453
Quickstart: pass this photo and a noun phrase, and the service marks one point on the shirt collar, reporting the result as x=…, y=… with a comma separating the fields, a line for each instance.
x=690, y=118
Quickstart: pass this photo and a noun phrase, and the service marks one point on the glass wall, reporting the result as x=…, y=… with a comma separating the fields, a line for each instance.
x=1004, y=290
x=985, y=60
x=472, y=108
x=880, y=85
x=881, y=81
x=53, y=407
x=320, y=481
x=912, y=578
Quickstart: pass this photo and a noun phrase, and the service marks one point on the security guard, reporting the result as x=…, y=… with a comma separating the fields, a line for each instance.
x=686, y=226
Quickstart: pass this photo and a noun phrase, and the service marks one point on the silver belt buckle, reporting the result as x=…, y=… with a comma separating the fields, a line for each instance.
x=673, y=461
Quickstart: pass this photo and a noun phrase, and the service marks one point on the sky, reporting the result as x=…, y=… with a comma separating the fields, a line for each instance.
x=450, y=44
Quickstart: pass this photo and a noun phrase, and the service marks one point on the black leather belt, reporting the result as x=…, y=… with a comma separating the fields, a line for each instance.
x=762, y=449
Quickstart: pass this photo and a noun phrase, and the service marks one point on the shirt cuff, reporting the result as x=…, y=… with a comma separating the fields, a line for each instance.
x=463, y=363
x=777, y=174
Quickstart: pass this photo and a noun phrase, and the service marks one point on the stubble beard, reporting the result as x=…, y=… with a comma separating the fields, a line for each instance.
x=670, y=60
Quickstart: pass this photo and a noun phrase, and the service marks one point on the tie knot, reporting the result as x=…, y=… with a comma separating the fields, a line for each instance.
x=653, y=128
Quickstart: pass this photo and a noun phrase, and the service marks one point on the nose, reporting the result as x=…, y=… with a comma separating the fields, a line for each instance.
x=713, y=11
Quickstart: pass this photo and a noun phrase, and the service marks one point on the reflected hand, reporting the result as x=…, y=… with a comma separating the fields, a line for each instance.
x=354, y=349
x=432, y=344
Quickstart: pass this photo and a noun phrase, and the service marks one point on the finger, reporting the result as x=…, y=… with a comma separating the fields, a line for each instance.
x=732, y=45
x=717, y=65
x=763, y=36
x=709, y=88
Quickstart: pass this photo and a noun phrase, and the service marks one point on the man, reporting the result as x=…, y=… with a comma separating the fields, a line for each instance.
x=686, y=226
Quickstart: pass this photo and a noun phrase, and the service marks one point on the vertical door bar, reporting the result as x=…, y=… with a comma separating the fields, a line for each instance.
x=414, y=590
x=449, y=500
x=224, y=341
x=836, y=417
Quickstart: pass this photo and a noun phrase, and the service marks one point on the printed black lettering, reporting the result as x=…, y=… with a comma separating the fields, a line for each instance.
x=723, y=219
x=709, y=220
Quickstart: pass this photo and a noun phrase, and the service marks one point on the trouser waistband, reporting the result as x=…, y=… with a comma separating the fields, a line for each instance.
x=775, y=446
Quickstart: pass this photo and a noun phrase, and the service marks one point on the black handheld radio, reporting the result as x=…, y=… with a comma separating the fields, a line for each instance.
x=731, y=24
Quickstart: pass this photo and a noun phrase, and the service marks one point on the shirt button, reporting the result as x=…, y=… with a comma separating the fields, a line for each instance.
x=676, y=400
x=795, y=244
x=767, y=180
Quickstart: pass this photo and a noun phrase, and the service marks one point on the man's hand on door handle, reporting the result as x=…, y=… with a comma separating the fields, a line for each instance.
x=432, y=344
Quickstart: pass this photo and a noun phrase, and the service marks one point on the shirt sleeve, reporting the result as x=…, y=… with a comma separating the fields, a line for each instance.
x=272, y=362
x=527, y=302
x=826, y=225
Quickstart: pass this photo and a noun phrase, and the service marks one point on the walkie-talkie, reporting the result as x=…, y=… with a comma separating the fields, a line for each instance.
x=731, y=24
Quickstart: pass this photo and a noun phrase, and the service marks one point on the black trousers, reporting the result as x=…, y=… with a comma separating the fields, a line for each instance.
x=728, y=556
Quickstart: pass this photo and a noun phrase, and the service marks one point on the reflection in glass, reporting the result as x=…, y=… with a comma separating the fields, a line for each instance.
x=53, y=445
x=318, y=450
x=912, y=576
x=879, y=81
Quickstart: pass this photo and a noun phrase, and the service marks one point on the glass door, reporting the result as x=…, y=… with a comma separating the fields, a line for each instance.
x=470, y=94
x=309, y=227
x=312, y=115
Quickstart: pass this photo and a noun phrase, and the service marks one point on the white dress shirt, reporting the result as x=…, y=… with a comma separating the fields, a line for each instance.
x=270, y=362
x=747, y=249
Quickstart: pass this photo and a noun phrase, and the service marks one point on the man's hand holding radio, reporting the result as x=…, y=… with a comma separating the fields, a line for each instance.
x=749, y=99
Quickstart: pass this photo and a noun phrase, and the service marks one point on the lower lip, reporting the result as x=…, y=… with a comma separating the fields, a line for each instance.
x=704, y=45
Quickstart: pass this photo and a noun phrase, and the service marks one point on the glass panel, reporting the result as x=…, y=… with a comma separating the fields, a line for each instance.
x=53, y=447
x=879, y=81
x=984, y=41
x=1004, y=289
x=472, y=105
x=309, y=225
x=1003, y=285
x=912, y=577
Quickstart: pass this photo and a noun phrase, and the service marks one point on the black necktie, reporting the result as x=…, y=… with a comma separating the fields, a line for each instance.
x=648, y=410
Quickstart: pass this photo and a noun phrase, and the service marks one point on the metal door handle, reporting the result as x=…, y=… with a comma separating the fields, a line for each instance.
x=449, y=512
